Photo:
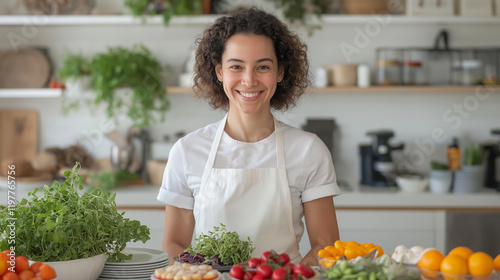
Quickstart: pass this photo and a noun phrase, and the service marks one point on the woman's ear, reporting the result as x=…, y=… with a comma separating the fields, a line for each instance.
x=281, y=74
x=218, y=71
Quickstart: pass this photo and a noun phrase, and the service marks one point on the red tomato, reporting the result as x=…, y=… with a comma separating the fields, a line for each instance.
x=279, y=274
x=27, y=275
x=46, y=272
x=284, y=258
x=265, y=257
x=35, y=267
x=253, y=262
x=258, y=277
x=303, y=270
x=265, y=271
x=289, y=267
x=236, y=272
x=9, y=275
x=22, y=264
x=248, y=276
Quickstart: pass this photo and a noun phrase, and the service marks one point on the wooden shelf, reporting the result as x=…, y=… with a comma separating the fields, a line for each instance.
x=373, y=89
x=31, y=93
x=40, y=20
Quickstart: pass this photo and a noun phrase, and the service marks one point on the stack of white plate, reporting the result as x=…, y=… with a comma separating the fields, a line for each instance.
x=142, y=265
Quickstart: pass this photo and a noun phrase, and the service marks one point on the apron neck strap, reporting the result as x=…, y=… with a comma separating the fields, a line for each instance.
x=280, y=152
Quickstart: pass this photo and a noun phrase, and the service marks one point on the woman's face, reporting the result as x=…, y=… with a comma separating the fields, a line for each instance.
x=249, y=73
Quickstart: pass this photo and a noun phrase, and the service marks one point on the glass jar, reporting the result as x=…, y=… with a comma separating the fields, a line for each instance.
x=389, y=66
x=413, y=72
x=471, y=72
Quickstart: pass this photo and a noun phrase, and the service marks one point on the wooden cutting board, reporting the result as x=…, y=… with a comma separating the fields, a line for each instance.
x=18, y=134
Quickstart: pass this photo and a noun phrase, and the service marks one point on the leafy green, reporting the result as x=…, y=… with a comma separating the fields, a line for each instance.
x=227, y=245
x=439, y=166
x=74, y=66
x=137, y=69
x=172, y=7
x=61, y=224
x=108, y=180
x=475, y=156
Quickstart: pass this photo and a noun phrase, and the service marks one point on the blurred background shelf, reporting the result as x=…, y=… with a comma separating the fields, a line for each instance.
x=31, y=93
x=206, y=19
x=377, y=89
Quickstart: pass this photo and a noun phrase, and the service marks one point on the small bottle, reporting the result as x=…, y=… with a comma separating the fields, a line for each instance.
x=453, y=155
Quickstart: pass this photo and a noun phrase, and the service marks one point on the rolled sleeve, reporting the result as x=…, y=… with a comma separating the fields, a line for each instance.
x=320, y=191
x=175, y=199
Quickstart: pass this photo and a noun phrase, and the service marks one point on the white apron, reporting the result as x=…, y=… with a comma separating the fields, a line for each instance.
x=253, y=202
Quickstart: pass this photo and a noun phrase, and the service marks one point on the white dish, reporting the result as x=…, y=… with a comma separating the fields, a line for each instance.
x=141, y=256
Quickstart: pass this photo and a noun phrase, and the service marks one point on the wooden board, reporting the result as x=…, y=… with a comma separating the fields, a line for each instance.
x=18, y=134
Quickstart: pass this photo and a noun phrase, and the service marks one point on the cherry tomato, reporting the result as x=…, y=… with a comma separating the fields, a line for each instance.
x=46, y=272
x=284, y=258
x=279, y=274
x=253, y=262
x=9, y=275
x=265, y=257
x=303, y=270
x=236, y=272
x=35, y=267
x=289, y=267
x=248, y=276
x=27, y=275
x=265, y=271
x=22, y=264
x=258, y=277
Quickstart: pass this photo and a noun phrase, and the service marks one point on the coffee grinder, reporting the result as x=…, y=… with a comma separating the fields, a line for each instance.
x=492, y=174
x=376, y=160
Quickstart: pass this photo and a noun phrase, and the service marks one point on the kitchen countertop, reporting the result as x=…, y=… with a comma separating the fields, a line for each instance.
x=144, y=197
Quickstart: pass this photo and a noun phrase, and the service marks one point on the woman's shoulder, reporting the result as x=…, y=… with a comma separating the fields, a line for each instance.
x=206, y=133
x=296, y=134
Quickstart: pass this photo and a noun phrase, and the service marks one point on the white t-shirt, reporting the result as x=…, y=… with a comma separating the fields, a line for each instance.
x=308, y=161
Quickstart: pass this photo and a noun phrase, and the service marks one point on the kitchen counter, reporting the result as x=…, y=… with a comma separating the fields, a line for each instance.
x=145, y=197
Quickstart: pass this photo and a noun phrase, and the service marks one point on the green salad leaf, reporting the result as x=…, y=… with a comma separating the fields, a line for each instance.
x=227, y=245
x=61, y=224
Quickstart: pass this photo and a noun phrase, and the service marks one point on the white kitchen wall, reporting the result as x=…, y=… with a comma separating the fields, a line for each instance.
x=414, y=117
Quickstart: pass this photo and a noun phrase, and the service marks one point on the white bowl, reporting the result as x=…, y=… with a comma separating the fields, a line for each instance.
x=81, y=269
x=412, y=184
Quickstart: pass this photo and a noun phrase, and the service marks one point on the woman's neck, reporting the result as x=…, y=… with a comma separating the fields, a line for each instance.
x=249, y=128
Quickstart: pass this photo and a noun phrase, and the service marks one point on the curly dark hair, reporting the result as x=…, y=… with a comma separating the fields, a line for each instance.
x=290, y=51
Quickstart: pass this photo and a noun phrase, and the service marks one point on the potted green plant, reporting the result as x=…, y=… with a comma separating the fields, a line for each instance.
x=440, y=178
x=167, y=8
x=75, y=72
x=61, y=225
x=129, y=80
x=470, y=177
x=302, y=12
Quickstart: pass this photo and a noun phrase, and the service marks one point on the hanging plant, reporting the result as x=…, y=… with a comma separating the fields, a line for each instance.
x=136, y=69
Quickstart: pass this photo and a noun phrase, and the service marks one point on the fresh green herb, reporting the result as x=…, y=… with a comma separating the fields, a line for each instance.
x=61, y=224
x=74, y=66
x=439, y=166
x=108, y=180
x=475, y=156
x=227, y=245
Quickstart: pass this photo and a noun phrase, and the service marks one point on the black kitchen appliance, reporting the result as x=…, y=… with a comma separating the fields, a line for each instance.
x=492, y=174
x=324, y=129
x=377, y=165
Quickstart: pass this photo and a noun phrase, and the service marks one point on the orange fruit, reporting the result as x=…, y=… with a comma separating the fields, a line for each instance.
x=380, y=250
x=453, y=267
x=351, y=252
x=339, y=245
x=431, y=260
x=496, y=262
x=3, y=267
x=480, y=264
x=461, y=251
x=323, y=253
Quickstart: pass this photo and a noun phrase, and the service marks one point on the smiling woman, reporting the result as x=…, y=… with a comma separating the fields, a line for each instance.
x=249, y=63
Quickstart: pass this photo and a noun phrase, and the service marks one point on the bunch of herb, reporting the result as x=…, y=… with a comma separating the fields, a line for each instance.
x=435, y=165
x=136, y=69
x=224, y=245
x=108, y=180
x=61, y=224
x=74, y=66
x=475, y=156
